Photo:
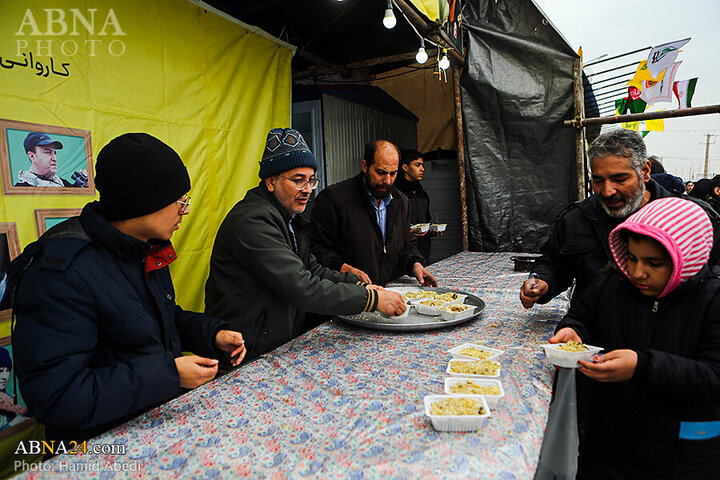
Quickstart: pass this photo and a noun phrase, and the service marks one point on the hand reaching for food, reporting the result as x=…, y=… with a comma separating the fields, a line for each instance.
x=564, y=335
x=390, y=303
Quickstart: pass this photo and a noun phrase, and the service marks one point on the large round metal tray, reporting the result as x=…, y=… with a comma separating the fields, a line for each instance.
x=415, y=321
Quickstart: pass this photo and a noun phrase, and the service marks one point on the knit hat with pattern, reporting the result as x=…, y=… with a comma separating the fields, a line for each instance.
x=285, y=149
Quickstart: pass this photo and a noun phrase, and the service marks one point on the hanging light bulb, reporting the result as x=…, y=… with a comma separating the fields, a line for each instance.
x=421, y=56
x=389, y=19
x=444, y=63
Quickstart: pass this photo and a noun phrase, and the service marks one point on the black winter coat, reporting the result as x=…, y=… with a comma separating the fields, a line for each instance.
x=418, y=209
x=343, y=229
x=263, y=287
x=578, y=246
x=98, y=329
x=633, y=426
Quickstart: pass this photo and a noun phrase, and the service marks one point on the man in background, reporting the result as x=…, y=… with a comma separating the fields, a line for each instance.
x=412, y=170
x=578, y=247
x=361, y=226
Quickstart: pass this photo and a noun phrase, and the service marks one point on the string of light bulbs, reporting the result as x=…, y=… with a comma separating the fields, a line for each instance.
x=389, y=21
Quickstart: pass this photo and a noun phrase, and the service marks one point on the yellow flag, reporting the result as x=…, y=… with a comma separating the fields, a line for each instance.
x=655, y=125
x=429, y=8
x=642, y=73
x=631, y=125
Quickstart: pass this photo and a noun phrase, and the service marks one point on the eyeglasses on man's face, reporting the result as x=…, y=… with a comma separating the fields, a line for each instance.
x=184, y=204
x=301, y=184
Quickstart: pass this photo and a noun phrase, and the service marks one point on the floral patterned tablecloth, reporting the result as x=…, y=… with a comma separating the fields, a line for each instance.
x=345, y=402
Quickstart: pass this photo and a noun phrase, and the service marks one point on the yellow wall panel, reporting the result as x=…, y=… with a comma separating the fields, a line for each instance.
x=203, y=84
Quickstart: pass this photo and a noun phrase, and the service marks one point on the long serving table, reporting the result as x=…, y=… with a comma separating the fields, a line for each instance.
x=346, y=402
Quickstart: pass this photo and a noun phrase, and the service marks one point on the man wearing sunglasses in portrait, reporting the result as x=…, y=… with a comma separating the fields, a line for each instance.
x=263, y=278
x=98, y=337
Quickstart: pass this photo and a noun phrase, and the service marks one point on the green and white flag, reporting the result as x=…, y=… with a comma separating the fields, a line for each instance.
x=662, y=91
x=662, y=56
x=684, y=90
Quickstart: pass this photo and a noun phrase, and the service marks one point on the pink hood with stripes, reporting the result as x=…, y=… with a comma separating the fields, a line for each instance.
x=681, y=226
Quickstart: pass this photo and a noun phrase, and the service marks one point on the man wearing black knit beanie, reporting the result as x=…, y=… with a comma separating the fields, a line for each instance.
x=104, y=344
x=263, y=278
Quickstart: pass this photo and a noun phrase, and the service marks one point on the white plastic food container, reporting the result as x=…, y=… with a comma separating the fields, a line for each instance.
x=469, y=312
x=470, y=375
x=404, y=291
x=561, y=358
x=459, y=297
x=455, y=352
x=420, y=227
x=492, y=400
x=457, y=423
x=427, y=309
x=415, y=301
x=438, y=227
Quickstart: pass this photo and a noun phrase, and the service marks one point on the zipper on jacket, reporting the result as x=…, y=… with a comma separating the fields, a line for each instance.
x=655, y=306
x=384, y=248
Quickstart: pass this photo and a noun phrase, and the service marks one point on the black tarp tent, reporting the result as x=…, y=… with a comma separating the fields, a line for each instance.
x=517, y=88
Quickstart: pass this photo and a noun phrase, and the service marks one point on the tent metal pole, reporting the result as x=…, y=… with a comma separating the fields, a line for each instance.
x=610, y=93
x=613, y=69
x=617, y=56
x=613, y=78
x=608, y=86
x=580, y=131
x=461, y=159
x=635, y=117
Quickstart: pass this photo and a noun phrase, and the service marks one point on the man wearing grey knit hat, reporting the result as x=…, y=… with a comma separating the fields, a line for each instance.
x=263, y=278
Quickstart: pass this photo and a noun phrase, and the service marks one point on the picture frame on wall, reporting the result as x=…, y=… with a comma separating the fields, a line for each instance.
x=46, y=218
x=9, y=249
x=37, y=159
x=12, y=406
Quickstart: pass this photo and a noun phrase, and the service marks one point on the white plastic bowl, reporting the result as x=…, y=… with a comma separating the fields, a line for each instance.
x=455, y=352
x=413, y=301
x=561, y=358
x=427, y=309
x=457, y=423
x=458, y=315
x=492, y=400
x=470, y=375
x=460, y=297
x=420, y=227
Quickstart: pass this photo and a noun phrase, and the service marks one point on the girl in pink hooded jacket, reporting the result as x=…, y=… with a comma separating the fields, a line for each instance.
x=654, y=409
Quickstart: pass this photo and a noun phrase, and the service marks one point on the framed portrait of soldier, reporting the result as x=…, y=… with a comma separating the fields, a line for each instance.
x=46, y=218
x=13, y=409
x=9, y=249
x=38, y=159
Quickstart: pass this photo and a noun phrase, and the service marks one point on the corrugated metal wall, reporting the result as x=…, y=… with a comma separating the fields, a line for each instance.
x=443, y=187
x=349, y=126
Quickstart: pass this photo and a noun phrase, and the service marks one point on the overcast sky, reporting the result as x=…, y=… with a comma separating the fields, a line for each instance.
x=613, y=27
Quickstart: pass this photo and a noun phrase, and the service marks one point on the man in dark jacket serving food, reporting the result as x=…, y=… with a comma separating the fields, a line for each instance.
x=361, y=226
x=263, y=278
